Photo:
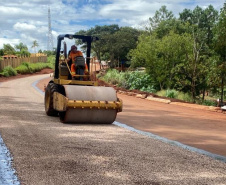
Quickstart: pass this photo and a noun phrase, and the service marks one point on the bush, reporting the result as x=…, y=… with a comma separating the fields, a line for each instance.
x=130, y=80
x=51, y=59
x=8, y=71
x=209, y=103
x=171, y=93
x=141, y=81
x=28, y=68
x=112, y=76
x=184, y=96
x=123, y=78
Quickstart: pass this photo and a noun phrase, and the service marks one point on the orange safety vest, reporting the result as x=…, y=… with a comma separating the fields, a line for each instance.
x=72, y=56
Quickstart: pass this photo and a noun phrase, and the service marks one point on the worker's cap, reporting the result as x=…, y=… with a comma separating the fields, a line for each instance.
x=73, y=47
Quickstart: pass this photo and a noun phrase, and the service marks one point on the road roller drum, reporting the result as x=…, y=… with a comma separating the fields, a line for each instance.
x=87, y=104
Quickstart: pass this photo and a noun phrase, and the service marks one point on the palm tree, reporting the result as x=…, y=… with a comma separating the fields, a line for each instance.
x=34, y=45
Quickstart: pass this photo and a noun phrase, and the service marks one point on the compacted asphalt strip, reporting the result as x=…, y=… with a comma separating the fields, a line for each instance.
x=46, y=151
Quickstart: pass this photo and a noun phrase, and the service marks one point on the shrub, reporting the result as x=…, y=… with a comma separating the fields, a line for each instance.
x=209, y=103
x=171, y=93
x=27, y=68
x=123, y=78
x=184, y=97
x=112, y=76
x=8, y=71
x=24, y=68
x=51, y=59
x=149, y=88
x=161, y=93
x=130, y=80
x=141, y=81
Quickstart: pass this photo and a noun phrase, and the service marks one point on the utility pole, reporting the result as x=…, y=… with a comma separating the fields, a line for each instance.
x=50, y=35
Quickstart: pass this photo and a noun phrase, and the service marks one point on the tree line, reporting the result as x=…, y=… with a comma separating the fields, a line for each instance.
x=21, y=49
x=186, y=53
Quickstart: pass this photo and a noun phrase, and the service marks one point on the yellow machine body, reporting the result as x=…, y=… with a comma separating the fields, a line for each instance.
x=80, y=101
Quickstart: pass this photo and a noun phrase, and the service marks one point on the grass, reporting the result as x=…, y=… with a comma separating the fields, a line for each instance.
x=175, y=94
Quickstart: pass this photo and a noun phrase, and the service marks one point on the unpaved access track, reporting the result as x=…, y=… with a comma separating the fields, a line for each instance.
x=46, y=151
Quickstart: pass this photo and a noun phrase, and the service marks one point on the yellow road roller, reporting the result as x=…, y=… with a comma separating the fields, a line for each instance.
x=79, y=99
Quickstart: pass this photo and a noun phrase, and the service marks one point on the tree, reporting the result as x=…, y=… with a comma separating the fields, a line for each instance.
x=25, y=53
x=200, y=24
x=114, y=43
x=1, y=52
x=21, y=47
x=121, y=42
x=160, y=15
x=8, y=49
x=173, y=61
x=23, y=50
x=220, y=47
x=34, y=45
x=103, y=33
x=179, y=53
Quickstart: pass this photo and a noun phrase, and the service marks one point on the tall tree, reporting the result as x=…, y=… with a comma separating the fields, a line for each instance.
x=220, y=47
x=160, y=15
x=122, y=42
x=200, y=24
x=34, y=45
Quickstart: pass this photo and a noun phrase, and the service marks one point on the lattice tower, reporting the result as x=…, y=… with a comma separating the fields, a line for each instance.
x=50, y=35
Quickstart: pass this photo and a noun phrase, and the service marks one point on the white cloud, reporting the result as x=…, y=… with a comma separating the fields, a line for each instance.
x=26, y=21
x=12, y=42
x=24, y=27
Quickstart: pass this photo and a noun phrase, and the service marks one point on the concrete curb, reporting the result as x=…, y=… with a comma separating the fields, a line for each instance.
x=195, y=106
x=151, y=98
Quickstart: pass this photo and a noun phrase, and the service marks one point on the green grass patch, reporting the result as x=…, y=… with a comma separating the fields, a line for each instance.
x=171, y=93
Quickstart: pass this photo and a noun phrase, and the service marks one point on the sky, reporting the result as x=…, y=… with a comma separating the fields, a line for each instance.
x=27, y=20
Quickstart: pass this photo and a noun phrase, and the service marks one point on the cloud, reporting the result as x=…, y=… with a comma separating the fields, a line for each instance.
x=24, y=27
x=12, y=42
x=25, y=21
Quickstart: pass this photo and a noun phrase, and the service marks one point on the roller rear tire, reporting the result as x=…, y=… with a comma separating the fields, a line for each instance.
x=50, y=89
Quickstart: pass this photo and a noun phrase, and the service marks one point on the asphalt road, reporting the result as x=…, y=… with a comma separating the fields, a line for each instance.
x=46, y=151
